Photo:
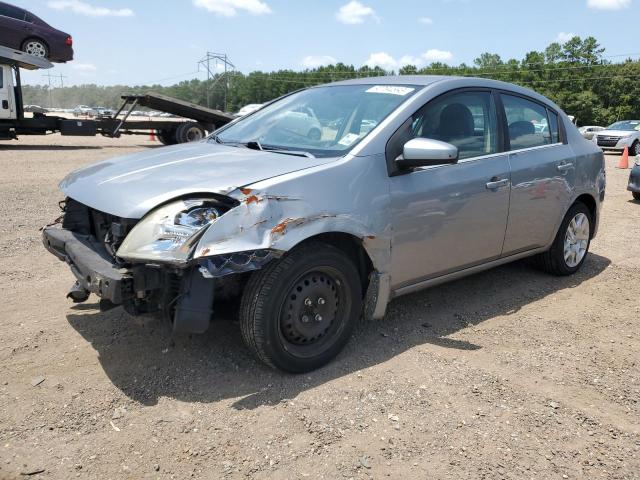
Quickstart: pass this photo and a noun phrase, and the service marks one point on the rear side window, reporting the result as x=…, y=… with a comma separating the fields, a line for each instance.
x=553, y=127
x=527, y=122
x=466, y=119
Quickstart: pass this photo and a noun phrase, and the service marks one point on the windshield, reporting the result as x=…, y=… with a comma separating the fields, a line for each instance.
x=324, y=121
x=628, y=125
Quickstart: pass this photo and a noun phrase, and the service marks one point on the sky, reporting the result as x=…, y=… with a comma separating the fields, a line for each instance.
x=137, y=42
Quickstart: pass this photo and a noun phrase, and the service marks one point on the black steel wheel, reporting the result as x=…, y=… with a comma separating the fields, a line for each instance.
x=298, y=312
x=636, y=196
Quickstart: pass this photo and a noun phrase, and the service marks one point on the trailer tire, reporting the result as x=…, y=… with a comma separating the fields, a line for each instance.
x=190, y=132
x=167, y=137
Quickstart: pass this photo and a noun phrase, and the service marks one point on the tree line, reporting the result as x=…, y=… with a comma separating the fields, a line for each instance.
x=577, y=75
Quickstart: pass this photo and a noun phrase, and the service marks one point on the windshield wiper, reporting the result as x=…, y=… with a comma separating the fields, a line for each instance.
x=295, y=153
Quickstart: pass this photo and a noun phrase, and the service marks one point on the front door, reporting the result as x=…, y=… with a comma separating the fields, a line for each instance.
x=542, y=174
x=12, y=26
x=446, y=218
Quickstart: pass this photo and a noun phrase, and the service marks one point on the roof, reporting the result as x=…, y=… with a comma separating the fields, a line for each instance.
x=396, y=80
x=23, y=60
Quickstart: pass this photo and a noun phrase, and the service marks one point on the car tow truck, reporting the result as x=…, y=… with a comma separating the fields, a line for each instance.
x=13, y=122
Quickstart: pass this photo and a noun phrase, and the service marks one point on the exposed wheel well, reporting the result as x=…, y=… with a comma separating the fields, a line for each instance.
x=34, y=38
x=590, y=203
x=353, y=247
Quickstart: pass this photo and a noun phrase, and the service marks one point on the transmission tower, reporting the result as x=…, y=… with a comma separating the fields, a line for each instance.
x=214, y=61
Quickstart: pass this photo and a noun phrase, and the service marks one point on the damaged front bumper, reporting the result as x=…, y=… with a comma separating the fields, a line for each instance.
x=95, y=272
x=183, y=295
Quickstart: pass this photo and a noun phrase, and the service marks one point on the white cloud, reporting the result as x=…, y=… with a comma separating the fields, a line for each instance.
x=83, y=8
x=315, y=61
x=564, y=37
x=387, y=62
x=426, y=20
x=382, y=60
x=230, y=8
x=355, y=12
x=608, y=4
x=435, y=55
x=84, y=67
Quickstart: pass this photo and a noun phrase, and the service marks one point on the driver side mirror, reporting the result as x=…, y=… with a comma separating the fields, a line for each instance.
x=425, y=152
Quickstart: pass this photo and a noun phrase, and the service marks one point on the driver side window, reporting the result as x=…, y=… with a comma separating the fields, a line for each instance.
x=467, y=120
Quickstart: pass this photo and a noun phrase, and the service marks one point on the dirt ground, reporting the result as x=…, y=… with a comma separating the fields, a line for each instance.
x=508, y=374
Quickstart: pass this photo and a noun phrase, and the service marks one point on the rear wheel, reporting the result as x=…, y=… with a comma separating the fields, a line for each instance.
x=298, y=312
x=571, y=245
x=166, y=137
x=189, y=132
x=636, y=196
x=35, y=47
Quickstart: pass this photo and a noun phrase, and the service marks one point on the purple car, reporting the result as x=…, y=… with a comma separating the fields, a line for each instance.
x=24, y=31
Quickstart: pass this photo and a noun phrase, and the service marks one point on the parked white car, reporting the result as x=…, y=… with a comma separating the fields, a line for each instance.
x=619, y=135
x=301, y=122
x=588, y=131
x=247, y=109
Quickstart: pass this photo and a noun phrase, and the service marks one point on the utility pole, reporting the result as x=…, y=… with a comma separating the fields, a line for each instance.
x=61, y=80
x=216, y=59
x=49, y=77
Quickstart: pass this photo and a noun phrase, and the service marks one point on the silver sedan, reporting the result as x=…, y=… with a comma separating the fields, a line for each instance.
x=411, y=181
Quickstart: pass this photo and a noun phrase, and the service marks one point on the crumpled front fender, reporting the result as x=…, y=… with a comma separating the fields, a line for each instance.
x=264, y=221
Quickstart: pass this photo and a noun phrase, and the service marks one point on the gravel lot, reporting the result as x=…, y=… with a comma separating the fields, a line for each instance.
x=507, y=374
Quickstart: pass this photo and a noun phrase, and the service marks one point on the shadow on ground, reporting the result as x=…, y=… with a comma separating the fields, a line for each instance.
x=144, y=360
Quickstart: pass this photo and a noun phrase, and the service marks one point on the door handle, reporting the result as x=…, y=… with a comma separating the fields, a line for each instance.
x=565, y=167
x=497, y=183
x=5, y=104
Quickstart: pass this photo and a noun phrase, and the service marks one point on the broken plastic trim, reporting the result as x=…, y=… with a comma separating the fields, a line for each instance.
x=228, y=264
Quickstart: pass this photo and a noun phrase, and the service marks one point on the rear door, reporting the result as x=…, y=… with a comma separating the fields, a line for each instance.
x=12, y=26
x=542, y=173
x=6, y=105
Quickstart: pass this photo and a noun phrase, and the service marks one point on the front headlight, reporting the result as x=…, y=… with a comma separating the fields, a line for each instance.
x=169, y=233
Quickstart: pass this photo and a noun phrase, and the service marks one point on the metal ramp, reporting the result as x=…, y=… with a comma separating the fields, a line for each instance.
x=16, y=58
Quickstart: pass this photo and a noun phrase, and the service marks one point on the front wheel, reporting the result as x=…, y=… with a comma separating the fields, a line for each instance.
x=636, y=196
x=297, y=313
x=571, y=245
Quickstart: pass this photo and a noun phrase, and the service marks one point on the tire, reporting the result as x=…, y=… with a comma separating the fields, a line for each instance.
x=189, y=132
x=636, y=196
x=635, y=148
x=314, y=135
x=35, y=47
x=321, y=288
x=166, y=137
x=554, y=260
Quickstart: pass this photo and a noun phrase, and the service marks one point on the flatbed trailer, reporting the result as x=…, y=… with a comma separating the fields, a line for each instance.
x=197, y=120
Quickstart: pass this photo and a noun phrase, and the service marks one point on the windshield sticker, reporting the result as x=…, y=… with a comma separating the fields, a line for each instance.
x=391, y=90
x=348, y=139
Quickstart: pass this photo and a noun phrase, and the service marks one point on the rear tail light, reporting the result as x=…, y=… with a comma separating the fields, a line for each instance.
x=69, y=41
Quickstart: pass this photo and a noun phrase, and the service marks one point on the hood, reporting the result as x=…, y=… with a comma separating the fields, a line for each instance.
x=131, y=185
x=616, y=133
